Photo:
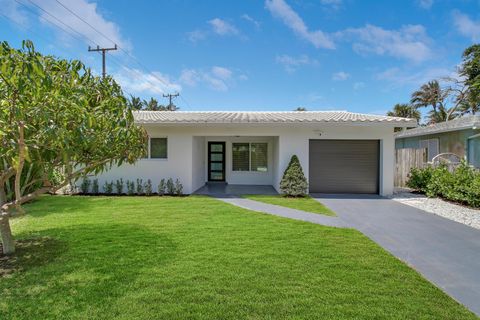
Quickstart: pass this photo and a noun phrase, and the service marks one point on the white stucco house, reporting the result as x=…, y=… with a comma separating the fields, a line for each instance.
x=340, y=152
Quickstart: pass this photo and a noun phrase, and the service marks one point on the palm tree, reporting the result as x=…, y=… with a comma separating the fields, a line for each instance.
x=440, y=115
x=405, y=110
x=153, y=105
x=470, y=104
x=429, y=94
x=134, y=103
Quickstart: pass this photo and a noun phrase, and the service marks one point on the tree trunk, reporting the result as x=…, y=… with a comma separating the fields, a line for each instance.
x=6, y=234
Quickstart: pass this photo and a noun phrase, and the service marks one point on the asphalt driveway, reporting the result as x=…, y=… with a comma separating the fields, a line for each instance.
x=443, y=251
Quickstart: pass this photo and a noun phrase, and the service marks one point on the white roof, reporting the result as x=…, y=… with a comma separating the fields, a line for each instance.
x=224, y=117
x=462, y=123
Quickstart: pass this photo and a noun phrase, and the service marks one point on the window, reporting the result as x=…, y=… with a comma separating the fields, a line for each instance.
x=250, y=156
x=158, y=148
x=259, y=157
x=240, y=156
x=432, y=147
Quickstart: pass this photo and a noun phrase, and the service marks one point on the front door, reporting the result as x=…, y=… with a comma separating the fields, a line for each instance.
x=216, y=161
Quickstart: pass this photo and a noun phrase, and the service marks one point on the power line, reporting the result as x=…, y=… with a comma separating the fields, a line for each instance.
x=170, y=97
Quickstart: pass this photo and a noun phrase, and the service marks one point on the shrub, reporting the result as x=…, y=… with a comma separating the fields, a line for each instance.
x=170, y=187
x=294, y=183
x=119, y=186
x=108, y=187
x=162, y=187
x=95, y=186
x=420, y=178
x=148, y=187
x=85, y=185
x=130, y=187
x=178, y=188
x=460, y=185
x=139, y=186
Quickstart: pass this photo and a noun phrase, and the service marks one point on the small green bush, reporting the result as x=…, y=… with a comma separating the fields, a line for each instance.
x=108, y=187
x=178, y=188
x=119, y=186
x=130, y=187
x=95, y=186
x=461, y=185
x=85, y=185
x=139, y=186
x=148, y=187
x=294, y=183
x=162, y=187
x=170, y=187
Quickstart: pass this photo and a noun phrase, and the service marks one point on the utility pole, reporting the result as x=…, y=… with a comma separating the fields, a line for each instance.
x=103, y=50
x=170, y=97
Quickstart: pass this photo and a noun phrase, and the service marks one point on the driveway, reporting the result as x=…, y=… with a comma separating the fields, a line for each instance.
x=445, y=252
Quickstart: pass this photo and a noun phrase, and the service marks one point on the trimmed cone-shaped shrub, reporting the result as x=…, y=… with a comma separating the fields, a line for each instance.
x=294, y=183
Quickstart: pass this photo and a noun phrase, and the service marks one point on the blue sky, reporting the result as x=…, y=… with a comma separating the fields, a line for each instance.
x=361, y=56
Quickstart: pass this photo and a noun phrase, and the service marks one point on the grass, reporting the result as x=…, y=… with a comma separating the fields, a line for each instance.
x=200, y=258
x=307, y=203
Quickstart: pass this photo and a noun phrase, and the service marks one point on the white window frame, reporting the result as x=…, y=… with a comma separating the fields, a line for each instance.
x=149, y=154
x=250, y=156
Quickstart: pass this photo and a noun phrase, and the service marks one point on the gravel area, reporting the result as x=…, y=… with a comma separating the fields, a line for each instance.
x=455, y=212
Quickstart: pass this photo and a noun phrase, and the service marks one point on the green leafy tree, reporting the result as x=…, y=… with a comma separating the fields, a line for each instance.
x=135, y=103
x=55, y=114
x=294, y=183
x=432, y=94
x=405, y=110
x=470, y=68
x=153, y=105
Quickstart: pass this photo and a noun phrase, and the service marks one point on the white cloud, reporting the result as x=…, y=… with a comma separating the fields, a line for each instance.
x=13, y=11
x=334, y=4
x=340, y=76
x=281, y=10
x=196, y=35
x=358, y=85
x=400, y=77
x=217, y=78
x=222, y=27
x=409, y=42
x=136, y=81
x=251, y=20
x=466, y=26
x=425, y=4
x=89, y=12
x=293, y=63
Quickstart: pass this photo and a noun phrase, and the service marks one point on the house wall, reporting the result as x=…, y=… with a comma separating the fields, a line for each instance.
x=454, y=141
x=474, y=151
x=185, y=152
x=199, y=162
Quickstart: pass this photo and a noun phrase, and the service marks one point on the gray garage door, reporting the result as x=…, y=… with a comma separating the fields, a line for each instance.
x=344, y=166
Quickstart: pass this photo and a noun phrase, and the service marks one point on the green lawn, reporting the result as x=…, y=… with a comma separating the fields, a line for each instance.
x=200, y=258
x=305, y=204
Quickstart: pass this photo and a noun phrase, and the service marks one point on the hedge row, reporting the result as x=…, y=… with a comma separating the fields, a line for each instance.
x=460, y=185
x=165, y=187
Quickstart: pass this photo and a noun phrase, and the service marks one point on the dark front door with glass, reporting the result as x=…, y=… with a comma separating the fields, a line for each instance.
x=216, y=161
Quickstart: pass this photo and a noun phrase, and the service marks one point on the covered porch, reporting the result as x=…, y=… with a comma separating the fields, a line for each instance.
x=235, y=164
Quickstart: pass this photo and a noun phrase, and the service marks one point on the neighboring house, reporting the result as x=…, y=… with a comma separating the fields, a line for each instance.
x=340, y=152
x=460, y=136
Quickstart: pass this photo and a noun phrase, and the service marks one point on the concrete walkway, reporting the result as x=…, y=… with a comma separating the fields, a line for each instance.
x=444, y=251
x=283, y=211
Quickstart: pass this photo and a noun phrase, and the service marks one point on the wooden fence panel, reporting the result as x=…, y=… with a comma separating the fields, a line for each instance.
x=405, y=160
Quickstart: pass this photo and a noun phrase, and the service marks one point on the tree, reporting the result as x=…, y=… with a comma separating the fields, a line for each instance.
x=405, y=110
x=135, y=103
x=153, y=105
x=432, y=94
x=294, y=183
x=470, y=68
x=300, y=109
x=56, y=116
x=470, y=104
